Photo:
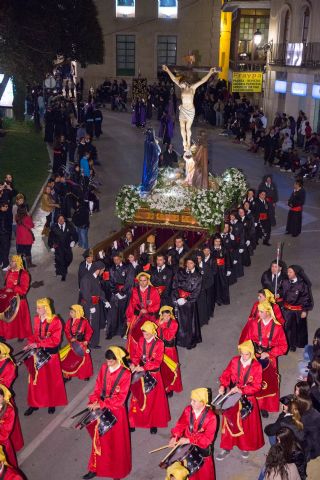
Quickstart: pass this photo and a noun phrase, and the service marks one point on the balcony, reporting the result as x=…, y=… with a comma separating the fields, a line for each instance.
x=247, y=66
x=299, y=55
x=233, y=5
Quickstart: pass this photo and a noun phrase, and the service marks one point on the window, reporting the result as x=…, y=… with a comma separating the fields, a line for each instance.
x=168, y=8
x=126, y=53
x=167, y=50
x=248, y=25
x=125, y=8
x=305, y=26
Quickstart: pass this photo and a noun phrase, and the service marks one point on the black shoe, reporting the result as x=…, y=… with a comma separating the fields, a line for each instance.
x=30, y=411
x=265, y=242
x=132, y=429
x=86, y=379
x=51, y=410
x=191, y=347
x=109, y=336
x=63, y=278
x=153, y=430
x=170, y=394
x=97, y=347
x=68, y=379
x=293, y=349
x=89, y=475
x=264, y=414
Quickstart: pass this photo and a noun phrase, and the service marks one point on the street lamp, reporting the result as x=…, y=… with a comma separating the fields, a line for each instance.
x=257, y=37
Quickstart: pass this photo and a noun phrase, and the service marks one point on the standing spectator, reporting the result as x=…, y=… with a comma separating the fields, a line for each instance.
x=307, y=133
x=98, y=118
x=219, y=108
x=62, y=238
x=80, y=219
x=20, y=201
x=5, y=234
x=24, y=235
x=270, y=147
x=48, y=206
x=295, y=202
x=277, y=467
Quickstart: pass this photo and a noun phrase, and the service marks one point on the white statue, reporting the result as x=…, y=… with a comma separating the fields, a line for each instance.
x=187, y=110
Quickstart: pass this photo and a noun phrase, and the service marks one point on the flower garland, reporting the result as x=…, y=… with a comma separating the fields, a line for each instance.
x=207, y=206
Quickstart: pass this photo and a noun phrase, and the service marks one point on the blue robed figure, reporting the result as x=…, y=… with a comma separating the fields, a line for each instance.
x=152, y=151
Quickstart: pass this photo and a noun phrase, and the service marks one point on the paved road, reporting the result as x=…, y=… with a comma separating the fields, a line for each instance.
x=53, y=449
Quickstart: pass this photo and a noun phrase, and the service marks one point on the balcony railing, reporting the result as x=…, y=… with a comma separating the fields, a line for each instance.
x=247, y=65
x=306, y=55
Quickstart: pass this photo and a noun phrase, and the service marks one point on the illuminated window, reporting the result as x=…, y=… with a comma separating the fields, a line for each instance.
x=167, y=50
x=6, y=98
x=125, y=8
x=168, y=8
x=126, y=55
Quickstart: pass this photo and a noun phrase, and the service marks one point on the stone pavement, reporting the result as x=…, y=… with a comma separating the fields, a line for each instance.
x=53, y=449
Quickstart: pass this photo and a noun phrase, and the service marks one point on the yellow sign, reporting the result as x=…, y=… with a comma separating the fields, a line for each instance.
x=247, y=82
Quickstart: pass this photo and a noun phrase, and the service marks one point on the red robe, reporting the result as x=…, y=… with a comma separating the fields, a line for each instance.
x=156, y=412
x=268, y=397
x=249, y=435
x=21, y=326
x=132, y=313
x=7, y=421
x=85, y=368
x=10, y=473
x=115, y=458
x=7, y=377
x=46, y=388
x=202, y=438
x=254, y=317
x=167, y=333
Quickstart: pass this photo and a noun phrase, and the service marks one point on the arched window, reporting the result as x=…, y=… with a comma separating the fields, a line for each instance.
x=286, y=26
x=305, y=25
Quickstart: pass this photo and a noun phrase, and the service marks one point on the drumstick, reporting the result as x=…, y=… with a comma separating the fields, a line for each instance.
x=160, y=448
x=171, y=451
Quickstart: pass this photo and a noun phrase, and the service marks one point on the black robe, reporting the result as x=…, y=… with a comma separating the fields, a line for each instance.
x=270, y=284
x=204, y=302
x=296, y=328
x=261, y=218
x=239, y=230
x=60, y=240
x=163, y=279
x=121, y=281
x=189, y=333
x=221, y=266
x=90, y=289
x=294, y=221
x=272, y=198
x=229, y=248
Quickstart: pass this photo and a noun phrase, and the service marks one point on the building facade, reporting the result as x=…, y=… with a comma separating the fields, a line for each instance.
x=141, y=35
x=293, y=72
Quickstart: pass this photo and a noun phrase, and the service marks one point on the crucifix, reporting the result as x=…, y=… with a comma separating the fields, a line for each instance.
x=186, y=109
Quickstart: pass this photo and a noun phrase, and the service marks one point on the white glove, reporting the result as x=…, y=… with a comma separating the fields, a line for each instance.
x=235, y=262
x=241, y=250
x=72, y=244
x=255, y=224
x=228, y=273
x=92, y=310
x=248, y=243
x=231, y=236
x=107, y=305
x=52, y=250
x=181, y=301
x=119, y=296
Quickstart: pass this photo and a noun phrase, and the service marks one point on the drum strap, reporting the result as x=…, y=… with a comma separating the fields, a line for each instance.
x=78, y=329
x=18, y=281
x=5, y=363
x=45, y=330
x=201, y=421
x=144, y=350
x=246, y=377
x=114, y=386
x=167, y=343
x=3, y=474
x=140, y=297
x=271, y=333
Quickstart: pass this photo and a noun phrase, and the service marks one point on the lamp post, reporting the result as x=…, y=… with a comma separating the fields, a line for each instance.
x=257, y=37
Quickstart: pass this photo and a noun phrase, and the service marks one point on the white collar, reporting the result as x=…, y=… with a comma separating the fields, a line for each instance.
x=161, y=268
x=294, y=281
x=190, y=271
x=197, y=414
x=247, y=363
x=114, y=369
x=267, y=323
x=143, y=289
x=206, y=258
x=150, y=340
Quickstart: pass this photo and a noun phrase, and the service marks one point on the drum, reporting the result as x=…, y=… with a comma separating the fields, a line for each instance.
x=264, y=362
x=246, y=407
x=9, y=305
x=42, y=357
x=230, y=401
x=189, y=454
x=78, y=349
x=106, y=420
x=142, y=383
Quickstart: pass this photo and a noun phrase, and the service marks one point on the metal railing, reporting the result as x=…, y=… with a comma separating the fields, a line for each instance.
x=247, y=65
x=306, y=55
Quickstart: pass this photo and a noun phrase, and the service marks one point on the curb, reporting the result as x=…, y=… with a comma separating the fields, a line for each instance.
x=35, y=203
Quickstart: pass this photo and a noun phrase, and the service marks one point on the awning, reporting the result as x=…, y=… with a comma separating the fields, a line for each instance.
x=234, y=5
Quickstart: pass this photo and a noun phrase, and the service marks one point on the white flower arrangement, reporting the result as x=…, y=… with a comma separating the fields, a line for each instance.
x=207, y=206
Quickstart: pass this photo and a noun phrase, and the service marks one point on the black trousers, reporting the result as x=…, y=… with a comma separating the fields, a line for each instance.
x=4, y=249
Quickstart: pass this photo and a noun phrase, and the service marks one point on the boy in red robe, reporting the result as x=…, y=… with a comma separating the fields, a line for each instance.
x=78, y=332
x=197, y=426
x=245, y=373
x=144, y=300
x=111, y=453
x=17, y=280
x=270, y=342
x=148, y=357
x=46, y=387
x=167, y=330
x=7, y=472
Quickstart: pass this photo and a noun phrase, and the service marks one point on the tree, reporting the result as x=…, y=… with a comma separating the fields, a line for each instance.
x=34, y=32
